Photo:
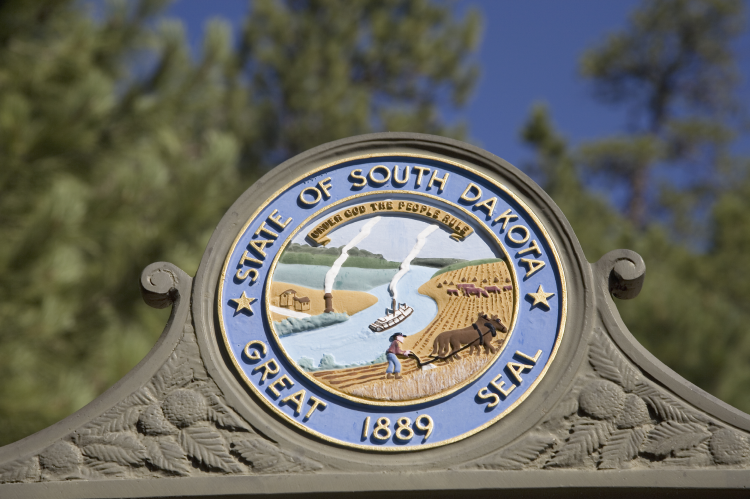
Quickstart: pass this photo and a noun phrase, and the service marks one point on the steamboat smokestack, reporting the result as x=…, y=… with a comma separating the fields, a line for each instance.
x=329, y=302
x=393, y=305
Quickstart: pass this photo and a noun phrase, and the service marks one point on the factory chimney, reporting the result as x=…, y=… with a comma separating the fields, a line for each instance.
x=329, y=303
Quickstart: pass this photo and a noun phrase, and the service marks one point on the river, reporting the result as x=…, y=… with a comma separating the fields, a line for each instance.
x=352, y=341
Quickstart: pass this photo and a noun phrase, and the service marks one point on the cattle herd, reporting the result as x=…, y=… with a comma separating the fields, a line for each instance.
x=469, y=289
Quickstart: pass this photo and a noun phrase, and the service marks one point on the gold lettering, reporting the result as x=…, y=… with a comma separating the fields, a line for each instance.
x=403, y=429
x=468, y=189
x=531, y=359
x=366, y=427
x=532, y=266
x=439, y=180
x=297, y=398
x=277, y=220
x=315, y=403
x=255, y=354
x=247, y=258
x=499, y=387
x=488, y=205
x=505, y=217
x=242, y=276
x=386, y=175
x=516, y=369
x=267, y=369
x=325, y=186
x=422, y=171
x=382, y=426
x=357, y=175
x=319, y=233
x=533, y=248
x=282, y=382
x=315, y=193
x=518, y=228
x=485, y=394
x=263, y=229
x=259, y=244
x=424, y=427
x=400, y=181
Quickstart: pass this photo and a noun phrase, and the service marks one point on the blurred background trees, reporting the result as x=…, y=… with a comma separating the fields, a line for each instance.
x=685, y=196
x=119, y=148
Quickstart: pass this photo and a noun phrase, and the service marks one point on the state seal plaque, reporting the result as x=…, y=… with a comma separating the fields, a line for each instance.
x=393, y=301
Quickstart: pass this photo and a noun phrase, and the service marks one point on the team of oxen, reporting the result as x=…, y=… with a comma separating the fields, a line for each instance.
x=476, y=337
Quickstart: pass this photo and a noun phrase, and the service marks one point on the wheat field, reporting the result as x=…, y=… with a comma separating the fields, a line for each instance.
x=456, y=312
x=422, y=383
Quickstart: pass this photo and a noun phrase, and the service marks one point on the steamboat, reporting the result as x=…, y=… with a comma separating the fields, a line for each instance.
x=393, y=317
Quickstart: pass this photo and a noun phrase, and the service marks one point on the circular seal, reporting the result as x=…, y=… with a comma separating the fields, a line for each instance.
x=392, y=302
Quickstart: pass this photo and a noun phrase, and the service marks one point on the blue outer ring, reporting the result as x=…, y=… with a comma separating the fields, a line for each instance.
x=455, y=416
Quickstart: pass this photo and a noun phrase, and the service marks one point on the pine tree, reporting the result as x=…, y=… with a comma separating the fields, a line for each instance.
x=673, y=68
x=118, y=150
x=103, y=168
x=322, y=70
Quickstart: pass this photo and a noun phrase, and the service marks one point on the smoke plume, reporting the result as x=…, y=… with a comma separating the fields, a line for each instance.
x=334, y=270
x=404, y=268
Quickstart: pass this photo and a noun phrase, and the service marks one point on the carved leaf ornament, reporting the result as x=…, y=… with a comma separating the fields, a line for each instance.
x=176, y=425
x=616, y=418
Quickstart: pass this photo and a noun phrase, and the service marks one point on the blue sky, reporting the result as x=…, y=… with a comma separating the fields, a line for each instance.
x=529, y=53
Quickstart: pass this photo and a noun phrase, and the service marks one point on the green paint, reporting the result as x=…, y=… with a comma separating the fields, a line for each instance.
x=471, y=263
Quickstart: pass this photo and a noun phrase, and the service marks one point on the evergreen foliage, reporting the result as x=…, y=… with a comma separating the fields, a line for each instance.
x=692, y=311
x=463, y=263
x=674, y=70
x=319, y=255
x=119, y=149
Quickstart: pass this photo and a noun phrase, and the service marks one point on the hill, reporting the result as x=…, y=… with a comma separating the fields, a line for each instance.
x=465, y=263
x=312, y=255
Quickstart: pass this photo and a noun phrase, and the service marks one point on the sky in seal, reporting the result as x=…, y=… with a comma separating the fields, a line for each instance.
x=394, y=236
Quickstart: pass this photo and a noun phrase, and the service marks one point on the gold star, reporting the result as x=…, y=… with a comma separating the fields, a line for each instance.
x=540, y=297
x=243, y=302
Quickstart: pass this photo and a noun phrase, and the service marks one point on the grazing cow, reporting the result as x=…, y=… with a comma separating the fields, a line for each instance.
x=453, y=292
x=476, y=291
x=465, y=288
x=507, y=288
x=480, y=334
x=492, y=289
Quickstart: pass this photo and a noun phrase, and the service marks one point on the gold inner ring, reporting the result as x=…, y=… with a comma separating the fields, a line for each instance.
x=390, y=403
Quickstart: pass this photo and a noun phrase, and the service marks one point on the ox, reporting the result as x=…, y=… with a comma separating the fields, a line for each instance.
x=476, y=291
x=478, y=335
